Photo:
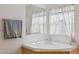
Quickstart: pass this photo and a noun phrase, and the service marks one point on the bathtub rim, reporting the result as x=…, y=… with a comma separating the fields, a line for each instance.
x=36, y=49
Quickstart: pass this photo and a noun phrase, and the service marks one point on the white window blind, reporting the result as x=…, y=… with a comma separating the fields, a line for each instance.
x=38, y=23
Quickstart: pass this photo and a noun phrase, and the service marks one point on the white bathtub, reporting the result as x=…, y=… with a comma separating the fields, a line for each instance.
x=36, y=43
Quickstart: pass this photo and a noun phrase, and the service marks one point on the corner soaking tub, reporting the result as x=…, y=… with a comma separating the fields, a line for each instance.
x=40, y=43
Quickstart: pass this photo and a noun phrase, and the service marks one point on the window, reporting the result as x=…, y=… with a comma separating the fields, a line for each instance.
x=38, y=23
x=61, y=21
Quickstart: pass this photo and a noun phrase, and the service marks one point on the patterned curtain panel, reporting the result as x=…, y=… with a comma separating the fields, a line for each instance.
x=12, y=28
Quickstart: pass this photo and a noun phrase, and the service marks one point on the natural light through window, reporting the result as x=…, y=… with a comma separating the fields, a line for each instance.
x=61, y=21
x=39, y=23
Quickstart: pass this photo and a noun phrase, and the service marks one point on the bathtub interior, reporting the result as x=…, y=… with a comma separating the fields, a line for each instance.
x=41, y=41
x=61, y=39
x=35, y=38
x=51, y=38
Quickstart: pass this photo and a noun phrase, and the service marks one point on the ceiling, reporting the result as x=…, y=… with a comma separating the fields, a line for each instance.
x=49, y=6
x=41, y=7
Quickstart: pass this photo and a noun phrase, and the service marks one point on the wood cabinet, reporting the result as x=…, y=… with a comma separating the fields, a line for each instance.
x=19, y=51
x=30, y=51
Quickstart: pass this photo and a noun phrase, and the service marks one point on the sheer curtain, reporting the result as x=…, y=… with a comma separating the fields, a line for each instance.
x=39, y=22
x=61, y=21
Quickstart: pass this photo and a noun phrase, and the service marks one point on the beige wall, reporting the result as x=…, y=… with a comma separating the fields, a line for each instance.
x=76, y=18
x=11, y=12
x=28, y=18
